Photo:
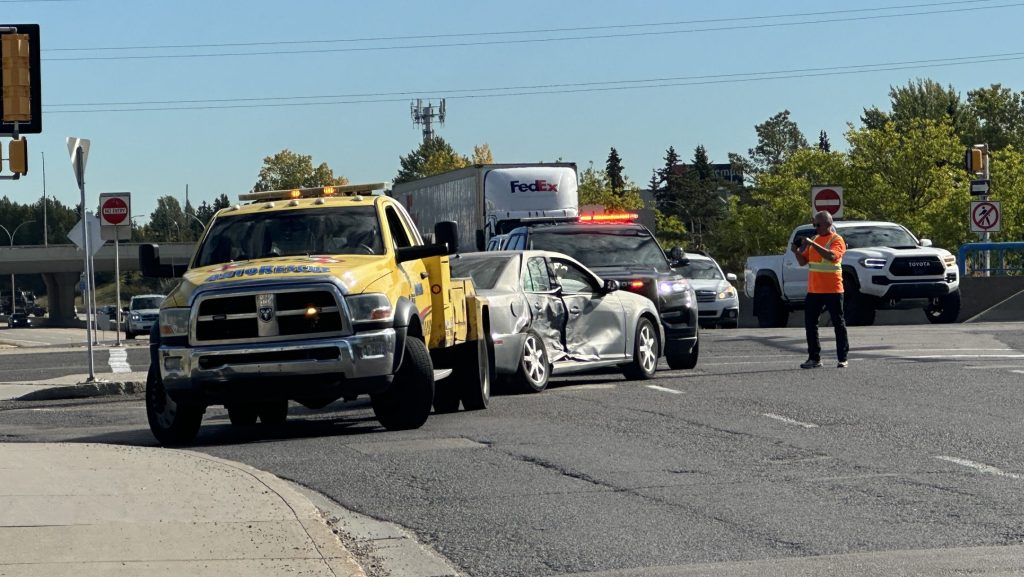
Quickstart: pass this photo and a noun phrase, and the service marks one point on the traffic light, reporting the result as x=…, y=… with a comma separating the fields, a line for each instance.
x=20, y=99
x=17, y=156
x=976, y=159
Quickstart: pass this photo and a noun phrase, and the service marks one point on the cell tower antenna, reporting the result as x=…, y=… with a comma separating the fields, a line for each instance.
x=425, y=115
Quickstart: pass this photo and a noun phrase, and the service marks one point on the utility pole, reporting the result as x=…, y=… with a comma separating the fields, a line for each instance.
x=45, y=241
x=425, y=115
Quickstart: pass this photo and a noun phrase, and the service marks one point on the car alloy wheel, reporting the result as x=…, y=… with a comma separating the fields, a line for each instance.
x=534, y=361
x=648, y=349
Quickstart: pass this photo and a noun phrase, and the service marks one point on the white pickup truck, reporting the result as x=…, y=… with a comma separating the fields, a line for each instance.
x=885, y=267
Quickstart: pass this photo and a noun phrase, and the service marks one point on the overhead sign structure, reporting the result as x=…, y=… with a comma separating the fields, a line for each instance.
x=828, y=198
x=985, y=216
x=115, y=215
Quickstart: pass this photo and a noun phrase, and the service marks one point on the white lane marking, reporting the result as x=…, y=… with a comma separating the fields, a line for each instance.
x=581, y=388
x=992, y=367
x=1017, y=356
x=1018, y=372
x=790, y=421
x=978, y=466
x=119, y=360
x=664, y=389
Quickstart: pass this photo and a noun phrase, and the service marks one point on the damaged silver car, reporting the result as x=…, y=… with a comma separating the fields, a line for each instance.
x=551, y=315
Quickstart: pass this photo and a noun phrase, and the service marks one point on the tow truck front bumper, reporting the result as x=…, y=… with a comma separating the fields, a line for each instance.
x=321, y=368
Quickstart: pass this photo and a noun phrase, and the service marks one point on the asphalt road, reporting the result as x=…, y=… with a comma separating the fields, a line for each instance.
x=915, y=447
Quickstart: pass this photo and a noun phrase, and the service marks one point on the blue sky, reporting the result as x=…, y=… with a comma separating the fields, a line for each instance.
x=158, y=152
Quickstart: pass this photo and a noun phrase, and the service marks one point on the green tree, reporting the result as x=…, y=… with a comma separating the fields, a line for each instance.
x=595, y=189
x=777, y=139
x=166, y=220
x=482, y=154
x=613, y=168
x=823, y=144
x=924, y=99
x=433, y=156
x=287, y=169
x=999, y=113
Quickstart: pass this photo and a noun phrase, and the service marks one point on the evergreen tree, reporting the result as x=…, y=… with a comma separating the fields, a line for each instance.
x=613, y=168
x=433, y=156
x=823, y=144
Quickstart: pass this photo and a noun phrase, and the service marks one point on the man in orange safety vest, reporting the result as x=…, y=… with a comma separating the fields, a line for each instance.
x=823, y=256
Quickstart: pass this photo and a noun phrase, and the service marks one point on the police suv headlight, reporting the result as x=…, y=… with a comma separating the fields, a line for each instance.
x=729, y=293
x=370, y=307
x=671, y=287
x=173, y=322
x=869, y=262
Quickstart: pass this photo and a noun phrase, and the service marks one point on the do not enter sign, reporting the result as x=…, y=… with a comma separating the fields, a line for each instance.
x=115, y=215
x=827, y=198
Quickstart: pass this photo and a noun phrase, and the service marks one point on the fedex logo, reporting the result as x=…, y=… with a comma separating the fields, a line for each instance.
x=535, y=186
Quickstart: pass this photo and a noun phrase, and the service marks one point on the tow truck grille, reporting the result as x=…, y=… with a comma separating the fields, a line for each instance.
x=916, y=266
x=268, y=316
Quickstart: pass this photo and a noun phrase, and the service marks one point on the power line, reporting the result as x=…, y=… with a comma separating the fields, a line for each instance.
x=530, y=40
x=576, y=88
x=508, y=32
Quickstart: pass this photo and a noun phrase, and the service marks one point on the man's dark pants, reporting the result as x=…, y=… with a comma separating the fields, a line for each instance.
x=833, y=302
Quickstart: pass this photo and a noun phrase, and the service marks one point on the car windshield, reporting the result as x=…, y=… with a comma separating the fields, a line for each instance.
x=870, y=236
x=700, y=269
x=341, y=230
x=484, y=271
x=144, y=303
x=598, y=248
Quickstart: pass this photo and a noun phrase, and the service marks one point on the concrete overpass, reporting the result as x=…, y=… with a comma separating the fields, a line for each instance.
x=62, y=265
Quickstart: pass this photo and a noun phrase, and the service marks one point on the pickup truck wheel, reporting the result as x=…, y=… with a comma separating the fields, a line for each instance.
x=945, y=309
x=171, y=423
x=684, y=360
x=771, y=313
x=472, y=375
x=406, y=404
x=858, y=308
x=128, y=334
x=273, y=412
x=534, y=368
x=242, y=414
x=646, y=352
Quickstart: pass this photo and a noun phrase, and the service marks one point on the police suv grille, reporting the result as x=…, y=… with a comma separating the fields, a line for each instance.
x=916, y=266
x=283, y=314
x=705, y=296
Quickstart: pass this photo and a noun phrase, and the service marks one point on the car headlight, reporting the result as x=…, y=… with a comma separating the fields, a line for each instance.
x=672, y=287
x=729, y=293
x=136, y=317
x=869, y=262
x=370, y=307
x=173, y=322
x=949, y=260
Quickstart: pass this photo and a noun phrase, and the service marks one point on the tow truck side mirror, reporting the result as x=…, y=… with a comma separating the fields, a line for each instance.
x=447, y=232
x=149, y=262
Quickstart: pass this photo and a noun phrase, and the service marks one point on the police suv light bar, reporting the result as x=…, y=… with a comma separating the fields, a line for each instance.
x=610, y=217
x=316, y=192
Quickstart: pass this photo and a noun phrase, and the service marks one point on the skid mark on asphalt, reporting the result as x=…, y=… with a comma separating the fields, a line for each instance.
x=119, y=360
x=981, y=467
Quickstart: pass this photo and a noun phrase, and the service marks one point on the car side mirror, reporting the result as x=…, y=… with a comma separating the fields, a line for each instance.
x=611, y=285
x=447, y=232
x=481, y=239
x=730, y=277
x=925, y=242
x=676, y=254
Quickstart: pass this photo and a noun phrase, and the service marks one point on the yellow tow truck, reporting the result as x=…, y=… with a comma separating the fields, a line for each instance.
x=311, y=295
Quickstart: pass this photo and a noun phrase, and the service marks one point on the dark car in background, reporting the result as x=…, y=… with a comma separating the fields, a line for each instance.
x=618, y=249
x=17, y=320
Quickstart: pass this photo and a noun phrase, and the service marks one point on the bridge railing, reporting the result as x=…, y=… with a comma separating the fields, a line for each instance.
x=1005, y=259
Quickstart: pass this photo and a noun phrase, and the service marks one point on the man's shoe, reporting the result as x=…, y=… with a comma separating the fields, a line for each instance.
x=810, y=364
x=842, y=364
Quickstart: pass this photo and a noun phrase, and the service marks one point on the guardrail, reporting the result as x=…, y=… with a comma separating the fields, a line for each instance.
x=972, y=252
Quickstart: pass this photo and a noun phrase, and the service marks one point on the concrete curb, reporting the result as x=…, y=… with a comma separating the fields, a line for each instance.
x=84, y=391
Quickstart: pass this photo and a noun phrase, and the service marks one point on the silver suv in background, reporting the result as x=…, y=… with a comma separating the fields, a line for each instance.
x=718, y=303
x=142, y=314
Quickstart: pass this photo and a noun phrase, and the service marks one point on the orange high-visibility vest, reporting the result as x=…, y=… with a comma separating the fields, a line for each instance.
x=824, y=277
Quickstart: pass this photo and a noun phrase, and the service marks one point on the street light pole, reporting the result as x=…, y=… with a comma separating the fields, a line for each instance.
x=10, y=235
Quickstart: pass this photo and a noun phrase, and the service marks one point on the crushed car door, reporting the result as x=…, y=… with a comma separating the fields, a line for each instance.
x=595, y=321
x=546, y=307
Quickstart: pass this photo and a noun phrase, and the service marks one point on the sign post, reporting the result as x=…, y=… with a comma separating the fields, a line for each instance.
x=828, y=198
x=115, y=209
x=78, y=148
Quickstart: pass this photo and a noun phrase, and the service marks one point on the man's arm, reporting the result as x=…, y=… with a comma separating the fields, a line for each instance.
x=824, y=252
x=801, y=255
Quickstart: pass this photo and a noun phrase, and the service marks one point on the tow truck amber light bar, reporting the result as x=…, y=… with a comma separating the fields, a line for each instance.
x=317, y=192
x=610, y=217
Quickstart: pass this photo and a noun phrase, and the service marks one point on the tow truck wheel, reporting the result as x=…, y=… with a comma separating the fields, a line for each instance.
x=406, y=404
x=242, y=414
x=473, y=376
x=171, y=423
x=646, y=352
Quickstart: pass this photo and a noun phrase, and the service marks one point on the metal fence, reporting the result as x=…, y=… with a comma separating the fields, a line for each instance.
x=1004, y=259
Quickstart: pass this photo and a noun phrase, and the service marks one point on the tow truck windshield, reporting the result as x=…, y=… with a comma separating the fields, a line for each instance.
x=342, y=230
